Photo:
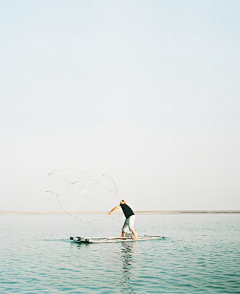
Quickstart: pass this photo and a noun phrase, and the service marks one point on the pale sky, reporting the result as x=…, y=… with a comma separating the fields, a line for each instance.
x=145, y=91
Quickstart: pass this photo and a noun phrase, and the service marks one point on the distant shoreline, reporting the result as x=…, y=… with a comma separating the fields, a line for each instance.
x=10, y=212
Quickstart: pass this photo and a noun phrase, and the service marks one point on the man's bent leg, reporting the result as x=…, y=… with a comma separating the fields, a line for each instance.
x=124, y=228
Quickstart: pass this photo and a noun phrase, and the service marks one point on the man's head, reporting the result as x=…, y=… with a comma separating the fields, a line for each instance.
x=123, y=202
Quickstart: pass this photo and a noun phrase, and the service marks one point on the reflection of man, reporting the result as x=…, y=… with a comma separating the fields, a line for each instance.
x=130, y=217
x=128, y=273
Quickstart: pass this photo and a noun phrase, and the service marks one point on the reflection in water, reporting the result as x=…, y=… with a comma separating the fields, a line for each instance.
x=127, y=258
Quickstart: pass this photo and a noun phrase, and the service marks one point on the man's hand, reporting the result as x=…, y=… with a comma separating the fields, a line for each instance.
x=109, y=213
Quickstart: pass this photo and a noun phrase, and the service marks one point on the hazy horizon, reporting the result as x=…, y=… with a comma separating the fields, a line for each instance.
x=145, y=91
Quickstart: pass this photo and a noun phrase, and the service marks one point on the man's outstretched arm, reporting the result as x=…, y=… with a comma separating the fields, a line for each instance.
x=115, y=208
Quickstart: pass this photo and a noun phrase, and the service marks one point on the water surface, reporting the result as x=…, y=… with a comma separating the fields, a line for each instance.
x=200, y=254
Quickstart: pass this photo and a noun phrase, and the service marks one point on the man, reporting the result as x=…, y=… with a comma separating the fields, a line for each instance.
x=130, y=218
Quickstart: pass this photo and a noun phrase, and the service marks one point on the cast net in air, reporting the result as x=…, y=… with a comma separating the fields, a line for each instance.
x=78, y=192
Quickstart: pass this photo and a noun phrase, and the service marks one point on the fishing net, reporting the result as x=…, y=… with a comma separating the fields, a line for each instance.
x=78, y=192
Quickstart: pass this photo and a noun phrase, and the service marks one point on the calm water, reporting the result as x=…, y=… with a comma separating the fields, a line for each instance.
x=199, y=255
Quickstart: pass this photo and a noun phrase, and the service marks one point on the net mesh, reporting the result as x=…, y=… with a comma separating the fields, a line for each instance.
x=77, y=192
